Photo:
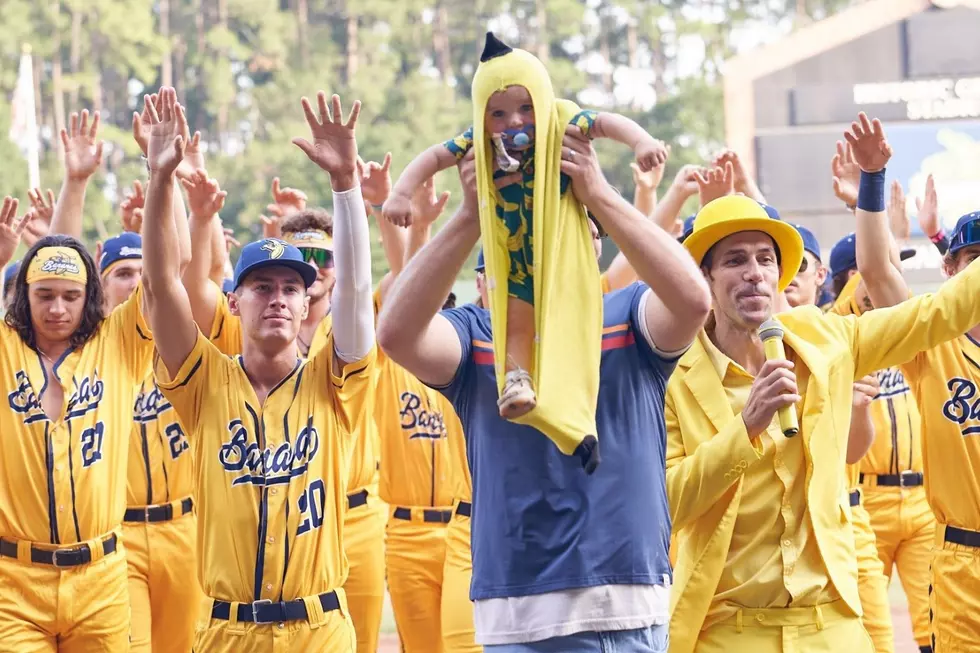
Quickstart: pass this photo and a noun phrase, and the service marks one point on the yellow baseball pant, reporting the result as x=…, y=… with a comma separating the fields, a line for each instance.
x=82, y=609
x=328, y=632
x=827, y=628
x=872, y=583
x=905, y=530
x=458, y=633
x=364, y=544
x=163, y=588
x=415, y=555
x=954, y=596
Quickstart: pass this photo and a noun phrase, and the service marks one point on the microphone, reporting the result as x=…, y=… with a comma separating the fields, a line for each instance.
x=771, y=334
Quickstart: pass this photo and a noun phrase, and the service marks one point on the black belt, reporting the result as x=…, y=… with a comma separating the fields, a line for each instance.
x=75, y=557
x=905, y=479
x=855, y=498
x=270, y=612
x=158, y=513
x=464, y=508
x=357, y=499
x=964, y=537
x=429, y=516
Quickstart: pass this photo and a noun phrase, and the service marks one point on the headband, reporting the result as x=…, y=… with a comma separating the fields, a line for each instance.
x=315, y=238
x=57, y=263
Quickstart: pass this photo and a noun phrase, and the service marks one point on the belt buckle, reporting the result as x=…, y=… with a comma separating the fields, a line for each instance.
x=255, y=611
x=902, y=476
x=54, y=558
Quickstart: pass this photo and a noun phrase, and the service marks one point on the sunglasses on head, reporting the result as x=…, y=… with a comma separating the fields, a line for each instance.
x=322, y=258
x=968, y=234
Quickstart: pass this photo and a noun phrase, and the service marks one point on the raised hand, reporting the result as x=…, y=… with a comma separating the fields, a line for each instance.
x=230, y=240
x=846, y=174
x=11, y=229
x=43, y=210
x=334, y=147
x=141, y=121
x=35, y=229
x=716, y=182
x=375, y=180
x=204, y=197
x=928, y=209
x=864, y=391
x=867, y=140
x=426, y=207
x=743, y=182
x=898, y=217
x=650, y=153
x=83, y=153
x=193, y=156
x=285, y=200
x=131, y=209
x=167, y=128
x=651, y=178
x=686, y=180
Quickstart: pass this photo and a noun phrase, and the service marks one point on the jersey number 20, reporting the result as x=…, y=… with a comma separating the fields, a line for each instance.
x=92, y=444
x=311, y=507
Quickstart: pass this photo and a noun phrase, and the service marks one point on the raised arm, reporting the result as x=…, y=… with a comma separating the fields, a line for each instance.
x=648, y=150
x=877, y=253
x=334, y=149
x=83, y=156
x=205, y=199
x=410, y=329
x=667, y=213
x=11, y=229
x=171, y=320
x=744, y=182
x=862, y=433
x=376, y=188
x=680, y=301
x=398, y=208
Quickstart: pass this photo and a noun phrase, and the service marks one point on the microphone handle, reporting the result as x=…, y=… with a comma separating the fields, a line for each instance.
x=788, y=423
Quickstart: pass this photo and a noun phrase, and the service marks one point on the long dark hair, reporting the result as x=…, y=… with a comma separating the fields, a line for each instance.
x=18, y=314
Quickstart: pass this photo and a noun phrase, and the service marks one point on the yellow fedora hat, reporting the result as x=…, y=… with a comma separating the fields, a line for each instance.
x=732, y=214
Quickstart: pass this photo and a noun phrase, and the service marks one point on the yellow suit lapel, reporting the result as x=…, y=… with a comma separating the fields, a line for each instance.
x=702, y=380
x=817, y=383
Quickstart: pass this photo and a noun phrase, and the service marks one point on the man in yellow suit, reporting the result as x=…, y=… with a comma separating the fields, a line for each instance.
x=766, y=558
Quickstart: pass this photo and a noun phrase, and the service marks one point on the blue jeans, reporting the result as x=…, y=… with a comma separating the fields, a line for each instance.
x=645, y=640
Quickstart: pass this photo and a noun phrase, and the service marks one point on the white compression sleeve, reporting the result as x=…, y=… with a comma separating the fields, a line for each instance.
x=352, y=305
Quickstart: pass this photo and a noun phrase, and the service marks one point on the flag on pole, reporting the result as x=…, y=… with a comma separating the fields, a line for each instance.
x=23, y=121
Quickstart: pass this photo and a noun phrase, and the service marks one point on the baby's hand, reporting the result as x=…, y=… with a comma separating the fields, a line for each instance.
x=397, y=210
x=650, y=153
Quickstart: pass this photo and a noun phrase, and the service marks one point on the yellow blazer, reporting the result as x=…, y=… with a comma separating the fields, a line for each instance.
x=708, y=448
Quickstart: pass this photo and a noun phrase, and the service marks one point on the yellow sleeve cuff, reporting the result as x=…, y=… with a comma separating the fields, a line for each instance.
x=188, y=369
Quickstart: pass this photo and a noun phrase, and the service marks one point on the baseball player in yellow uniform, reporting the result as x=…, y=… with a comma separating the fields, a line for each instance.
x=891, y=482
x=159, y=526
x=271, y=433
x=70, y=376
x=944, y=381
x=311, y=231
x=413, y=423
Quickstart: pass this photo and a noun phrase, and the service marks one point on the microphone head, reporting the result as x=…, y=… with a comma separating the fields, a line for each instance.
x=771, y=328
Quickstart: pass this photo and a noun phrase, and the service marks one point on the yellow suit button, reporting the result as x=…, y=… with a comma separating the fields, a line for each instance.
x=760, y=618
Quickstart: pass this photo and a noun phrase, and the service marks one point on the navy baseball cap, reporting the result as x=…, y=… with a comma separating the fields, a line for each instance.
x=480, y=263
x=10, y=271
x=810, y=243
x=966, y=232
x=126, y=245
x=272, y=252
x=843, y=256
x=771, y=212
x=688, y=227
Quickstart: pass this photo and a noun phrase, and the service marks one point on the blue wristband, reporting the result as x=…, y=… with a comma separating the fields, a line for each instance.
x=871, y=192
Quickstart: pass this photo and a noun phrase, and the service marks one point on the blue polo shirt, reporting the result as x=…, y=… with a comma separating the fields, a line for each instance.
x=539, y=523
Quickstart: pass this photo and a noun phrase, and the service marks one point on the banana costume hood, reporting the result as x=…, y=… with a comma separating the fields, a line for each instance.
x=567, y=294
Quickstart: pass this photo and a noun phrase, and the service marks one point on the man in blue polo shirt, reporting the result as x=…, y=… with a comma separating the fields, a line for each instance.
x=562, y=561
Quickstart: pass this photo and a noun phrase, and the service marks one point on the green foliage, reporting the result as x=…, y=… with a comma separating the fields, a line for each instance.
x=241, y=66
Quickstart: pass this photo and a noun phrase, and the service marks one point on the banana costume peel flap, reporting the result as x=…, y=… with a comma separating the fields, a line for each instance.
x=567, y=293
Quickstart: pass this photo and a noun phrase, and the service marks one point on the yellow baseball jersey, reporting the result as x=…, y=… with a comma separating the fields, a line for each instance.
x=413, y=423
x=160, y=469
x=898, y=444
x=944, y=380
x=62, y=481
x=226, y=334
x=273, y=476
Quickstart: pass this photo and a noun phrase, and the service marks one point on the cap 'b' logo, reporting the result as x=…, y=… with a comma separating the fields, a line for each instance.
x=275, y=247
x=60, y=264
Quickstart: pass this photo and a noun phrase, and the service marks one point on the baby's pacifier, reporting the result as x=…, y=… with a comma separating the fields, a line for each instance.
x=518, y=139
